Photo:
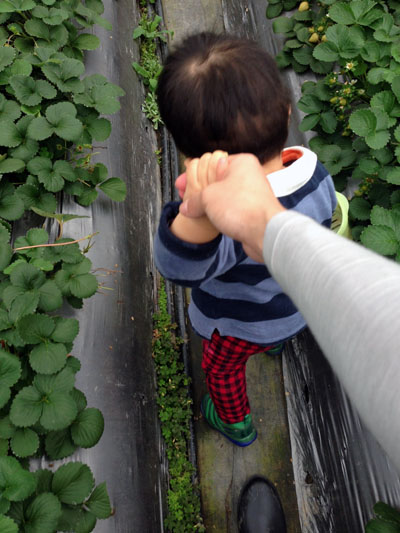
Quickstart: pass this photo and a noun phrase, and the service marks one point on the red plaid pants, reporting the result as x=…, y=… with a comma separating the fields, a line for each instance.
x=224, y=364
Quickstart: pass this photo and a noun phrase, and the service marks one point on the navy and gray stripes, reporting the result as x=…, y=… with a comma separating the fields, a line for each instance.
x=231, y=292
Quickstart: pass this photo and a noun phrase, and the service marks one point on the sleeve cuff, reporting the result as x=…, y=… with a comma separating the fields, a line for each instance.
x=186, y=250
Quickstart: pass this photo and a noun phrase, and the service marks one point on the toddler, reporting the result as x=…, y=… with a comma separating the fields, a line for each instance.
x=218, y=92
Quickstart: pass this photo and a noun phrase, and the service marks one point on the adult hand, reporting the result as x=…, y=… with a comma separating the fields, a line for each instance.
x=239, y=203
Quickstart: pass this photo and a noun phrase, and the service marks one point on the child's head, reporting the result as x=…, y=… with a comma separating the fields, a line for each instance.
x=221, y=92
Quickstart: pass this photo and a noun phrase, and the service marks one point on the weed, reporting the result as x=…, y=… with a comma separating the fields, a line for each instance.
x=175, y=412
x=149, y=67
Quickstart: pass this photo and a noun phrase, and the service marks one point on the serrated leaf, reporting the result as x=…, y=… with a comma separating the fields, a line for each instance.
x=386, y=512
x=86, y=41
x=9, y=134
x=7, y=430
x=59, y=444
x=309, y=122
x=381, y=239
x=378, y=526
x=359, y=208
x=72, y=483
x=87, y=428
x=70, y=253
x=328, y=121
x=273, y=10
x=66, y=329
x=9, y=109
x=7, y=54
x=378, y=139
x=99, y=502
x=11, y=165
x=10, y=369
x=17, y=483
x=36, y=328
x=7, y=525
x=25, y=442
x=26, y=407
x=27, y=277
x=48, y=357
x=5, y=395
x=36, y=197
x=5, y=255
x=280, y=25
x=363, y=122
x=42, y=514
x=99, y=129
x=393, y=176
x=115, y=188
x=50, y=297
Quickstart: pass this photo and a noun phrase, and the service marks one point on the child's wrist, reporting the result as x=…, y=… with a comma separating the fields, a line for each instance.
x=195, y=230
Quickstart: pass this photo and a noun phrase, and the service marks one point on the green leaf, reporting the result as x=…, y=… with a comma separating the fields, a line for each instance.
x=381, y=239
x=9, y=109
x=59, y=444
x=7, y=430
x=65, y=74
x=27, y=277
x=328, y=121
x=5, y=255
x=371, y=51
x=10, y=369
x=42, y=514
x=36, y=328
x=362, y=122
x=25, y=442
x=11, y=165
x=50, y=296
x=7, y=525
x=66, y=329
x=5, y=395
x=99, y=502
x=9, y=134
x=60, y=119
x=29, y=91
x=396, y=87
x=7, y=54
x=115, y=188
x=86, y=41
x=36, y=197
x=273, y=10
x=309, y=122
x=48, y=357
x=283, y=25
x=72, y=483
x=69, y=253
x=393, y=176
x=87, y=428
x=385, y=512
x=99, y=129
x=359, y=208
x=26, y=407
x=17, y=483
x=310, y=104
x=377, y=526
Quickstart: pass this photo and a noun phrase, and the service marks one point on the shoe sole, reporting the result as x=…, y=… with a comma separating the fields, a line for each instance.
x=240, y=444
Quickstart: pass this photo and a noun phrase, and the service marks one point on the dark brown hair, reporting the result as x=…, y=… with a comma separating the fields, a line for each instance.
x=222, y=92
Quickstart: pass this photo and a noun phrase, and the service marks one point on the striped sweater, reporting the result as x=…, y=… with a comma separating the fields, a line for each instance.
x=230, y=291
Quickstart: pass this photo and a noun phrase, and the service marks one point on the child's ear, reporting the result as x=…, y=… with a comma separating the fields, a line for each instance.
x=289, y=113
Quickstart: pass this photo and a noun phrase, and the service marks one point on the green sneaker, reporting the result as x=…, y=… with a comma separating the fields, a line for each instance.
x=276, y=350
x=241, y=433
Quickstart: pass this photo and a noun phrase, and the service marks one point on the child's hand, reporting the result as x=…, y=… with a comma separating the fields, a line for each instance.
x=199, y=172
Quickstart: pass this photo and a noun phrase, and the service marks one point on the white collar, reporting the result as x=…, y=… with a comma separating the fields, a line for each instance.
x=288, y=180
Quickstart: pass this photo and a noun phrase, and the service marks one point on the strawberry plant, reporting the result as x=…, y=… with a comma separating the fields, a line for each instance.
x=50, y=116
x=354, y=46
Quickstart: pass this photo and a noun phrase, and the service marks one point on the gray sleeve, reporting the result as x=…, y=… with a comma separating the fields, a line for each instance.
x=350, y=299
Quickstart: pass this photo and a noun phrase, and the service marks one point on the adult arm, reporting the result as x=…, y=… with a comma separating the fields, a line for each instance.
x=350, y=299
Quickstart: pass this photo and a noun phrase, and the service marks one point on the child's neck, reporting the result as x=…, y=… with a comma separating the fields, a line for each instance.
x=273, y=165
